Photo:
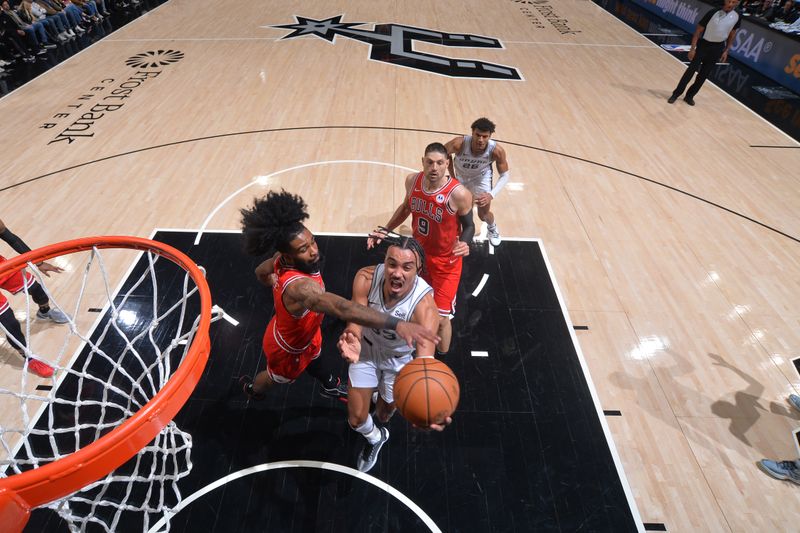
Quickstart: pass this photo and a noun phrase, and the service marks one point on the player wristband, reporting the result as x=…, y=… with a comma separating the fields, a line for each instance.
x=391, y=323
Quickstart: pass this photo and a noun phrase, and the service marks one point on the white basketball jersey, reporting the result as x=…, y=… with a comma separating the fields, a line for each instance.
x=378, y=343
x=474, y=167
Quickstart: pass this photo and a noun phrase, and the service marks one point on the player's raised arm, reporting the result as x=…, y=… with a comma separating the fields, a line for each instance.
x=426, y=315
x=400, y=214
x=265, y=272
x=350, y=340
x=19, y=246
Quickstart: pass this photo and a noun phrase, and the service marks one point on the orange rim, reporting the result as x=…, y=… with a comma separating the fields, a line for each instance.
x=67, y=475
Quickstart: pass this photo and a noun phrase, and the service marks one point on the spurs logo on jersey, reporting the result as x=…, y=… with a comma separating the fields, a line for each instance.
x=471, y=166
x=384, y=342
x=394, y=43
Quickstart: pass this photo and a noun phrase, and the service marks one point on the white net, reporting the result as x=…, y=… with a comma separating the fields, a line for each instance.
x=107, y=367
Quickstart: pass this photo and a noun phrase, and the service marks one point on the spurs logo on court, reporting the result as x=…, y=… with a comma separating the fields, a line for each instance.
x=394, y=43
x=154, y=59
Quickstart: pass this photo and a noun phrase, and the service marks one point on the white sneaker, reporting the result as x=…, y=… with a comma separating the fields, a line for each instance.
x=794, y=399
x=53, y=314
x=494, y=235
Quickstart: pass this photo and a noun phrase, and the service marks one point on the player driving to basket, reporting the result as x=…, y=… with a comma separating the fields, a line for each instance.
x=293, y=339
x=376, y=355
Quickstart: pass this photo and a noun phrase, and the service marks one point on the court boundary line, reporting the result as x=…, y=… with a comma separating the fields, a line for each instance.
x=612, y=447
x=413, y=130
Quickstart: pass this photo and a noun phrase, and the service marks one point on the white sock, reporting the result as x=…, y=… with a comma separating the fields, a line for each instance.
x=370, y=431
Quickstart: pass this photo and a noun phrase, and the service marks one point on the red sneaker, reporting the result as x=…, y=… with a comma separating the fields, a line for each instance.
x=39, y=368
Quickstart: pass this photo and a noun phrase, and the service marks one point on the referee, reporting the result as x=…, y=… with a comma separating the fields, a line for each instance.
x=718, y=28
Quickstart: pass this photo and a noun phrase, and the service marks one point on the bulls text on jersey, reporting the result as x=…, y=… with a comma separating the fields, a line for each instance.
x=429, y=209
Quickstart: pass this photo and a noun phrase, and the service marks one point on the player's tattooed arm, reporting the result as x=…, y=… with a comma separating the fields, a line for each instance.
x=311, y=296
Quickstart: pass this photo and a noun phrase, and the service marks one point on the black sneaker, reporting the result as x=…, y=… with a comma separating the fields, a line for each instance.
x=338, y=392
x=369, y=455
x=247, y=387
x=689, y=100
x=671, y=99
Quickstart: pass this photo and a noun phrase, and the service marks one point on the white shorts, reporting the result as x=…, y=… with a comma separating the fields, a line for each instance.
x=368, y=373
x=477, y=185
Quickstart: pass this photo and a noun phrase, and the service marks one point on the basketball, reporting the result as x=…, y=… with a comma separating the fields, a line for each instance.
x=426, y=391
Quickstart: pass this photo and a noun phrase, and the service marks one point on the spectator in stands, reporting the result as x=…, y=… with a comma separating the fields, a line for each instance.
x=89, y=8
x=787, y=13
x=55, y=25
x=36, y=36
x=12, y=46
x=25, y=12
x=70, y=12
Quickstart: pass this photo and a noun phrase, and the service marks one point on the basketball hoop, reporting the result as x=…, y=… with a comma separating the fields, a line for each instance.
x=114, y=400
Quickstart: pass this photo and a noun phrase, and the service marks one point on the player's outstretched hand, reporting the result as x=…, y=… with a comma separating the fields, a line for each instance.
x=46, y=268
x=350, y=346
x=375, y=237
x=436, y=427
x=460, y=249
x=411, y=333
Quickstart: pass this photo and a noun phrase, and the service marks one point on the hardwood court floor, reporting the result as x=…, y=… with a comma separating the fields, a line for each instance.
x=671, y=238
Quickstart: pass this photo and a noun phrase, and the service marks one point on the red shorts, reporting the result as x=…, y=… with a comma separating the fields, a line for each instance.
x=443, y=274
x=13, y=283
x=285, y=366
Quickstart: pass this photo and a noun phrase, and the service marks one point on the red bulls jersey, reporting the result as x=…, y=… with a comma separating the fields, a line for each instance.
x=292, y=333
x=6, y=276
x=434, y=224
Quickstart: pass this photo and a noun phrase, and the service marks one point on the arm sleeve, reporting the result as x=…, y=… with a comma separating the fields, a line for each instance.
x=15, y=242
x=501, y=182
x=467, y=227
